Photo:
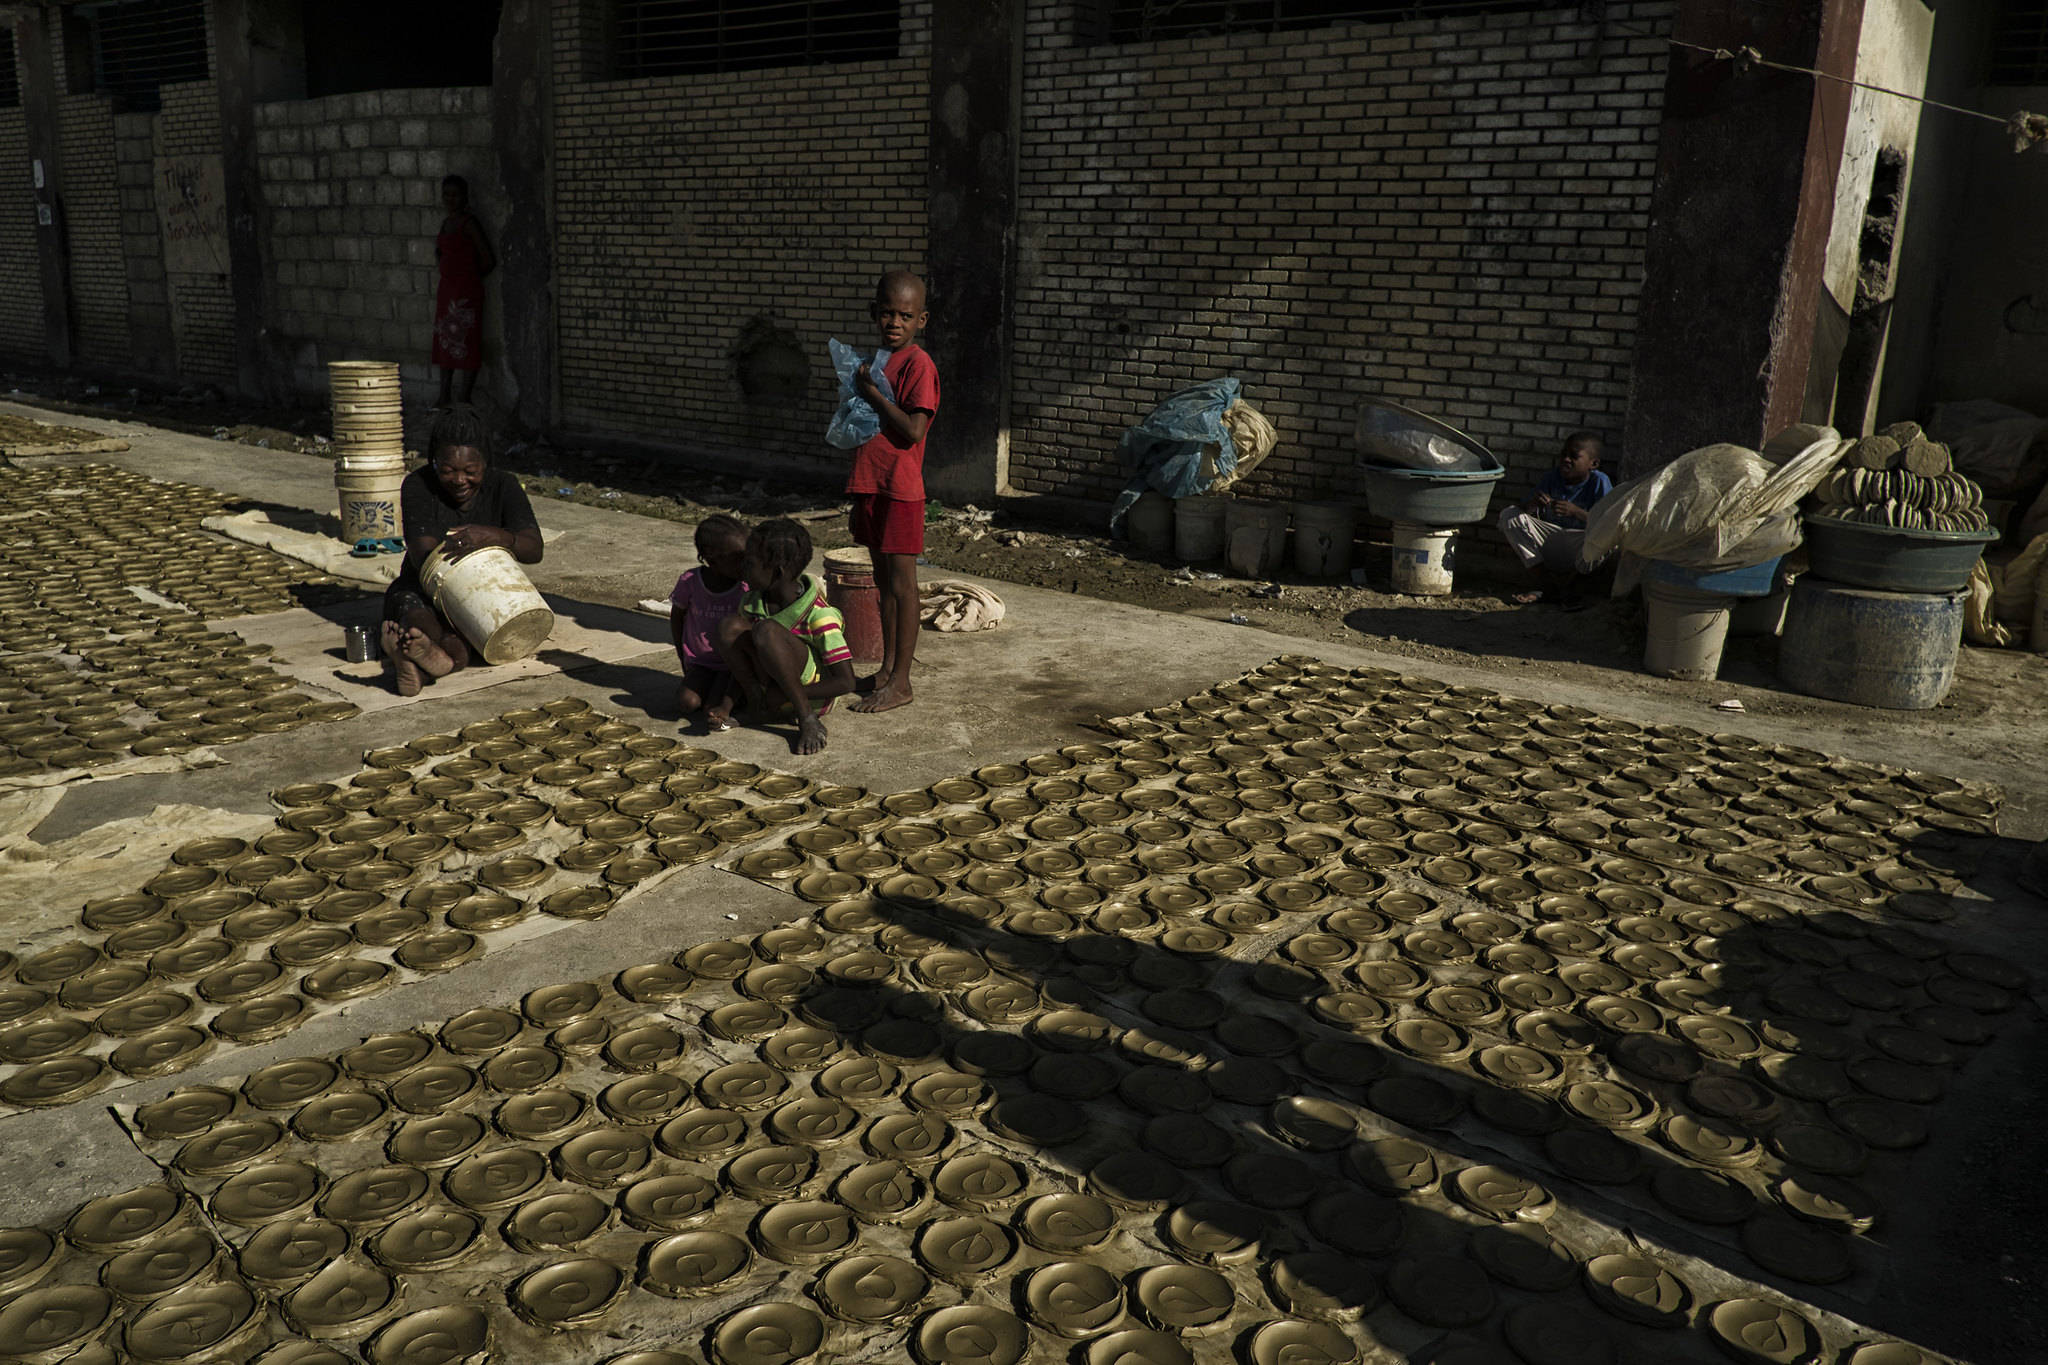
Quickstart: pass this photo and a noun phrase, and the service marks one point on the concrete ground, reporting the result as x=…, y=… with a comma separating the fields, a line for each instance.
x=1963, y=1255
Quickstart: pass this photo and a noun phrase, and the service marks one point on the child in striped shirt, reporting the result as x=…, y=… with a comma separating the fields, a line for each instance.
x=786, y=637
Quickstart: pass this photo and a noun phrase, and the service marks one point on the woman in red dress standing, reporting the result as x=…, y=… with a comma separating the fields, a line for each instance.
x=465, y=258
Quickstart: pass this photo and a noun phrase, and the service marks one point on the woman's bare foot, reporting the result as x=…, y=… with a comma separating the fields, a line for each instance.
x=405, y=674
x=718, y=715
x=810, y=735
x=874, y=682
x=885, y=699
x=433, y=660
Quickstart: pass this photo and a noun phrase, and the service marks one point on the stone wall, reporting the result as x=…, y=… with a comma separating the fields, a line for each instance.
x=353, y=184
x=21, y=279
x=1448, y=212
x=712, y=232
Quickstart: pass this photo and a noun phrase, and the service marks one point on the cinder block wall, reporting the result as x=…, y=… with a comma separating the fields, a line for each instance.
x=90, y=190
x=696, y=215
x=1448, y=212
x=21, y=280
x=202, y=302
x=353, y=183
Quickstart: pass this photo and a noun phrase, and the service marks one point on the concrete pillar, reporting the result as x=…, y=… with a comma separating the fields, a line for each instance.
x=522, y=138
x=976, y=54
x=1739, y=221
x=39, y=95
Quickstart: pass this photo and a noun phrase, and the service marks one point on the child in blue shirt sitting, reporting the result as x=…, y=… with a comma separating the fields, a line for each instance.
x=1549, y=529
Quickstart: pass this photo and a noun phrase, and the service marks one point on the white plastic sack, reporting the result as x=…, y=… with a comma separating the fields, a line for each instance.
x=1718, y=507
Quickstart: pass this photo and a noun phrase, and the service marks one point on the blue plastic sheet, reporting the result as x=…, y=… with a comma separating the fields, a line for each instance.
x=856, y=421
x=1165, y=450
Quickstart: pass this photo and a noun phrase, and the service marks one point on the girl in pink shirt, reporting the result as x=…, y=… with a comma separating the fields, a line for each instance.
x=703, y=596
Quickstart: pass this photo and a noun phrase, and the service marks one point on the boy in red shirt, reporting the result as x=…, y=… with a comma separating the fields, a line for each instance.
x=887, y=482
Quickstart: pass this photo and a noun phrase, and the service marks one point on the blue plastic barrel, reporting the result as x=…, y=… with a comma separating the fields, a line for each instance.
x=1890, y=649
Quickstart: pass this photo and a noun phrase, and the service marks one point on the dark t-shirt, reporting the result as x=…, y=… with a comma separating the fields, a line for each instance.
x=423, y=510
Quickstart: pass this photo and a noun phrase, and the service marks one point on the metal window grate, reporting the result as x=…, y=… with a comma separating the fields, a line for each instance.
x=139, y=46
x=1140, y=21
x=10, y=75
x=698, y=37
x=2019, y=44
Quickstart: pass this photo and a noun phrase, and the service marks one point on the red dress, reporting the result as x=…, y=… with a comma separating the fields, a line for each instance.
x=459, y=303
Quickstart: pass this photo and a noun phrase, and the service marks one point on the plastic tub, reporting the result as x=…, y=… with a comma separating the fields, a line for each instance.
x=1254, y=537
x=1428, y=498
x=1423, y=558
x=1322, y=538
x=1753, y=580
x=1892, y=560
x=850, y=589
x=1198, y=529
x=1149, y=523
x=1890, y=649
x=488, y=597
x=1687, y=631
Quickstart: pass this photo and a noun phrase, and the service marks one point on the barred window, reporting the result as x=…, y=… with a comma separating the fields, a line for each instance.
x=697, y=37
x=139, y=46
x=10, y=77
x=1139, y=21
x=2019, y=44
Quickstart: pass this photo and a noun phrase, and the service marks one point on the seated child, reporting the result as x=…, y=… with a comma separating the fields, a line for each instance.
x=1548, y=530
x=785, y=636
x=703, y=597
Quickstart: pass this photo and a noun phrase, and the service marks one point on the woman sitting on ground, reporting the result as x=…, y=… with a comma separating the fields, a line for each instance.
x=457, y=503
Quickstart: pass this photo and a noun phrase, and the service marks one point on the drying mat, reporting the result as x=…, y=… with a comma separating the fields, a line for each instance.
x=511, y=828
x=25, y=438
x=876, y=1133
x=308, y=647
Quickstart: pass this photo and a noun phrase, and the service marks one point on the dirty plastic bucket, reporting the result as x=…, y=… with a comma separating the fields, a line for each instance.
x=1254, y=537
x=1423, y=558
x=1322, y=538
x=488, y=597
x=1198, y=529
x=1687, y=632
x=369, y=499
x=1895, y=650
x=850, y=588
x=1149, y=523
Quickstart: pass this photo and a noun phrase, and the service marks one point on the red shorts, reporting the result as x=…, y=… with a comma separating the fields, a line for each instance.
x=888, y=526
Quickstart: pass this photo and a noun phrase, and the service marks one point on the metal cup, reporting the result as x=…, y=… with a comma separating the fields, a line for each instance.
x=360, y=643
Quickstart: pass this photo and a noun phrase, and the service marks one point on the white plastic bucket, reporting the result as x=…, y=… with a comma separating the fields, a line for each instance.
x=1149, y=523
x=488, y=597
x=1322, y=538
x=1687, y=631
x=369, y=501
x=1254, y=537
x=1197, y=529
x=1423, y=557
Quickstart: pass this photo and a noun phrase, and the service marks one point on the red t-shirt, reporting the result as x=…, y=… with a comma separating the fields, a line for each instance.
x=881, y=465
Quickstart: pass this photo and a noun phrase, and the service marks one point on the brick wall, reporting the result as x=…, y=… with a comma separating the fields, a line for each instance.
x=353, y=183
x=202, y=301
x=90, y=194
x=149, y=305
x=695, y=215
x=21, y=280
x=1447, y=212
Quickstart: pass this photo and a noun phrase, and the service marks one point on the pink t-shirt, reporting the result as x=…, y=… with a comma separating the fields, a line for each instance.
x=702, y=609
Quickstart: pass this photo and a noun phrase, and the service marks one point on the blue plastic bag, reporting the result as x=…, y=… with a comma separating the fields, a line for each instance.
x=856, y=421
x=1165, y=450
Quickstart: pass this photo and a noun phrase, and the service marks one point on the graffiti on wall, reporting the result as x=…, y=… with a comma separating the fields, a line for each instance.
x=191, y=207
